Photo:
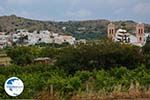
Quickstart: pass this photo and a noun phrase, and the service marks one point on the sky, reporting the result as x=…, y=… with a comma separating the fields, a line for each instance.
x=63, y=10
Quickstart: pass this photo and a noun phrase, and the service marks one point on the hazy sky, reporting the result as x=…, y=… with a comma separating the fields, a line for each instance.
x=137, y=10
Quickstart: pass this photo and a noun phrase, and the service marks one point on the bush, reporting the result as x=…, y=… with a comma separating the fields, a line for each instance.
x=97, y=55
x=20, y=55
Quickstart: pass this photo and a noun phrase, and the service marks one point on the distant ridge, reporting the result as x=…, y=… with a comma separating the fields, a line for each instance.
x=13, y=22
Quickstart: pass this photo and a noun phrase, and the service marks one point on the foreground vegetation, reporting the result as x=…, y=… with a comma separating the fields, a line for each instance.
x=38, y=80
x=97, y=69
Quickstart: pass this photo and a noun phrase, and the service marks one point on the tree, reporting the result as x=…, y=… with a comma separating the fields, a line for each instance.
x=20, y=55
x=97, y=55
x=146, y=48
x=146, y=51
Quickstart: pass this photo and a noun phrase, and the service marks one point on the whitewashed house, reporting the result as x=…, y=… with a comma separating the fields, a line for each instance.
x=64, y=38
x=4, y=40
x=43, y=36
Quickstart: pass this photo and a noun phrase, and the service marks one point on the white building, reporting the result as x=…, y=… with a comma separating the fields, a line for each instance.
x=4, y=40
x=64, y=38
x=81, y=41
x=122, y=36
x=43, y=36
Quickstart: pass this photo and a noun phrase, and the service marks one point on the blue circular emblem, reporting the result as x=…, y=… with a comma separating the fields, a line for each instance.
x=14, y=86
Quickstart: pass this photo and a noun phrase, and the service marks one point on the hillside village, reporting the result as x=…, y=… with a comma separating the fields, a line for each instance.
x=21, y=31
x=24, y=37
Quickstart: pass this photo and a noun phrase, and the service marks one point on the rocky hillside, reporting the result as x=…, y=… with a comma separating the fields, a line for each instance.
x=12, y=23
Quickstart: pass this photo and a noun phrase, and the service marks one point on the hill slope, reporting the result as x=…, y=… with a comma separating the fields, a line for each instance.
x=80, y=29
x=11, y=23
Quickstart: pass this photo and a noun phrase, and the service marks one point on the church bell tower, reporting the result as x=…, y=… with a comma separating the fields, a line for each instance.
x=140, y=33
x=111, y=31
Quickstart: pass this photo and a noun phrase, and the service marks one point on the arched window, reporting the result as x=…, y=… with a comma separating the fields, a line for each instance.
x=109, y=31
x=139, y=31
x=140, y=39
x=112, y=31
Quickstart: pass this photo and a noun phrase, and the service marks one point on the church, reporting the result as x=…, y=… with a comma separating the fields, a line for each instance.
x=137, y=38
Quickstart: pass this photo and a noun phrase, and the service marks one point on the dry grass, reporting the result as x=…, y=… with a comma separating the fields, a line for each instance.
x=46, y=95
x=135, y=92
x=115, y=96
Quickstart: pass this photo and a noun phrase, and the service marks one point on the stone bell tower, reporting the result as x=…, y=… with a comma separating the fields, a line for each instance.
x=111, y=31
x=140, y=33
